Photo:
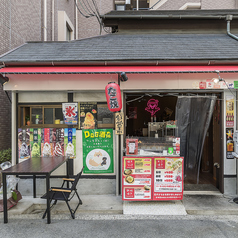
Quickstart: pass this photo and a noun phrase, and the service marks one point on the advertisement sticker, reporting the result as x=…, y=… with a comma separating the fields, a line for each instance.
x=70, y=112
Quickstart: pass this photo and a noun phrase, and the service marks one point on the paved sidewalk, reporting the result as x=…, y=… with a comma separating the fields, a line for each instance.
x=209, y=203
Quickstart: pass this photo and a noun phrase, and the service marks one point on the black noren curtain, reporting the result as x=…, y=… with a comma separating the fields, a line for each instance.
x=193, y=115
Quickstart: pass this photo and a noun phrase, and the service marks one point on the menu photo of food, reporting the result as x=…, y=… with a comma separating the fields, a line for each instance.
x=137, y=193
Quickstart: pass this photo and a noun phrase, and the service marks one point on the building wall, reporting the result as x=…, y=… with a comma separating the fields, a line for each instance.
x=89, y=27
x=5, y=121
x=205, y=4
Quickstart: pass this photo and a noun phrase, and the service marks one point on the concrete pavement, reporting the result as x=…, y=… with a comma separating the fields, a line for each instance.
x=193, y=203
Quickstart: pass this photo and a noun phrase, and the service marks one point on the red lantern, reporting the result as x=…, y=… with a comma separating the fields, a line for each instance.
x=113, y=95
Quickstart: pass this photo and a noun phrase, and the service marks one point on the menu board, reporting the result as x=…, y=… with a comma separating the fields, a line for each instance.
x=152, y=178
x=137, y=178
x=168, y=178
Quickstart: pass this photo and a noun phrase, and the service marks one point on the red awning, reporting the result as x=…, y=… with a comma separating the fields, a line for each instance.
x=117, y=69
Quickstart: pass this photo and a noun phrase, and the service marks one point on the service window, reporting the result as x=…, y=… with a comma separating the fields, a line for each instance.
x=40, y=116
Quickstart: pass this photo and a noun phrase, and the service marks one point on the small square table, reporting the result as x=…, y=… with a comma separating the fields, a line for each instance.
x=34, y=166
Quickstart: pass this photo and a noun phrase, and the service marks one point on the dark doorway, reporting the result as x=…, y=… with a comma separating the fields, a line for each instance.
x=137, y=119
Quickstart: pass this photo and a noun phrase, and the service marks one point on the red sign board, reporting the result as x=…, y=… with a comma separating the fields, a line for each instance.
x=152, y=178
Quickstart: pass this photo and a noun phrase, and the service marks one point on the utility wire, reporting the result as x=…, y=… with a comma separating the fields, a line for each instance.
x=88, y=12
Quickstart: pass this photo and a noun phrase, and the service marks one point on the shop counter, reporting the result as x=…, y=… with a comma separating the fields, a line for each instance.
x=152, y=178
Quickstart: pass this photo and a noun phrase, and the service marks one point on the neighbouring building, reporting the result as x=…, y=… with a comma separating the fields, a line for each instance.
x=43, y=20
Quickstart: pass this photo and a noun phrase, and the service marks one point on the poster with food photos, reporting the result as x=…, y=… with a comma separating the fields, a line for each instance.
x=168, y=178
x=229, y=143
x=88, y=115
x=137, y=178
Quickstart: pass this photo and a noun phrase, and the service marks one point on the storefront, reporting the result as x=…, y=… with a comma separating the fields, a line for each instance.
x=140, y=100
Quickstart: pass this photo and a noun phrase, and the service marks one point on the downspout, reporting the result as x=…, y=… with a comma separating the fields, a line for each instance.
x=53, y=20
x=45, y=20
x=228, y=19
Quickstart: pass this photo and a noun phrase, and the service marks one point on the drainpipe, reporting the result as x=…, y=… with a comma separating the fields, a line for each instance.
x=14, y=128
x=228, y=19
x=45, y=21
x=53, y=20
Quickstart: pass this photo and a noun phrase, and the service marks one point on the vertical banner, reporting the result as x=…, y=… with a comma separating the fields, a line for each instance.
x=35, y=142
x=168, y=178
x=137, y=178
x=229, y=143
x=230, y=111
x=45, y=142
x=70, y=112
x=70, y=142
x=59, y=142
x=98, y=151
x=23, y=144
x=119, y=123
x=88, y=115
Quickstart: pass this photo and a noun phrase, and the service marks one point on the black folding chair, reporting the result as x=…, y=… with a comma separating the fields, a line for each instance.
x=65, y=194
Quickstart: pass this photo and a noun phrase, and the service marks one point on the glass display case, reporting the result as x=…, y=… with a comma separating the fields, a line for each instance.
x=151, y=146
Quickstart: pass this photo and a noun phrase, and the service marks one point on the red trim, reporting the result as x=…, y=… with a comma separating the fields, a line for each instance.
x=116, y=69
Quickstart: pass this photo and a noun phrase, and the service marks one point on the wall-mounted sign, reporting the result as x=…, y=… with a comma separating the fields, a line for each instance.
x=113, y=95
x=98, y=151
x=119, y=123
x=70, y=112
x=88, y=115
x=230, y=111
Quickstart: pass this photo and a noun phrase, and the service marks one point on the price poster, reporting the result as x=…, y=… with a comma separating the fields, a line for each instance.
x=137, y=178
x=168, y=178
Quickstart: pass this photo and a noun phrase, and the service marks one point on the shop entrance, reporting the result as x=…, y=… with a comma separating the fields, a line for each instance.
x=140, y=122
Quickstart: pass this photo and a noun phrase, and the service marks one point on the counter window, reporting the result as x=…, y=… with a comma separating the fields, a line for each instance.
x=41, y=116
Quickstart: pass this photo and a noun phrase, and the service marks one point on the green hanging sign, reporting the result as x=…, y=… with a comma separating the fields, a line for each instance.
x=98, y=151
x=235, y=84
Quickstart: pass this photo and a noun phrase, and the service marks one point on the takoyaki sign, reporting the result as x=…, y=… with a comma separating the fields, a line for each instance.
x=98, y=151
